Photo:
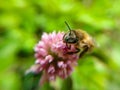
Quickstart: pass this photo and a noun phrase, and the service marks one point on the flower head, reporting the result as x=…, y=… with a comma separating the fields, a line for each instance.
x=52, y=57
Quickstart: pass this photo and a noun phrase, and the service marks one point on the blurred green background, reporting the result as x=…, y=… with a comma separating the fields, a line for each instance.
x=23, y=21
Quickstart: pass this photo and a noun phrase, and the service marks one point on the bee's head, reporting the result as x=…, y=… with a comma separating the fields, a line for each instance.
x=70, y=37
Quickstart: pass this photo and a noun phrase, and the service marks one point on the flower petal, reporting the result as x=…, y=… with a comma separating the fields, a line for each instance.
x=51, y=69
x=49, y=58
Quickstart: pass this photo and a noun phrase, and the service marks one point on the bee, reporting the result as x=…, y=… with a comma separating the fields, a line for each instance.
x=81, y=40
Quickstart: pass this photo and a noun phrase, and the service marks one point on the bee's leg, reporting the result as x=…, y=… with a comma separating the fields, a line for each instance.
x=84, y=51
x=77, y=50
x=68, y=46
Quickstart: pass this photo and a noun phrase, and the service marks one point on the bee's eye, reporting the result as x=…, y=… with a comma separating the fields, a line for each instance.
x=71, y=40
x=70, y=37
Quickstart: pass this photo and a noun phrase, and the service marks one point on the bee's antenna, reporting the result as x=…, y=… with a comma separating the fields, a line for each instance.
x=68, y=26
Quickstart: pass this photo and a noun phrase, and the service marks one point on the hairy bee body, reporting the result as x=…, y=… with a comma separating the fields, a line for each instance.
x=82, y=41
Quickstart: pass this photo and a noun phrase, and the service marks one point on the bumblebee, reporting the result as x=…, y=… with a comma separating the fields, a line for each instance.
x=82, y=41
